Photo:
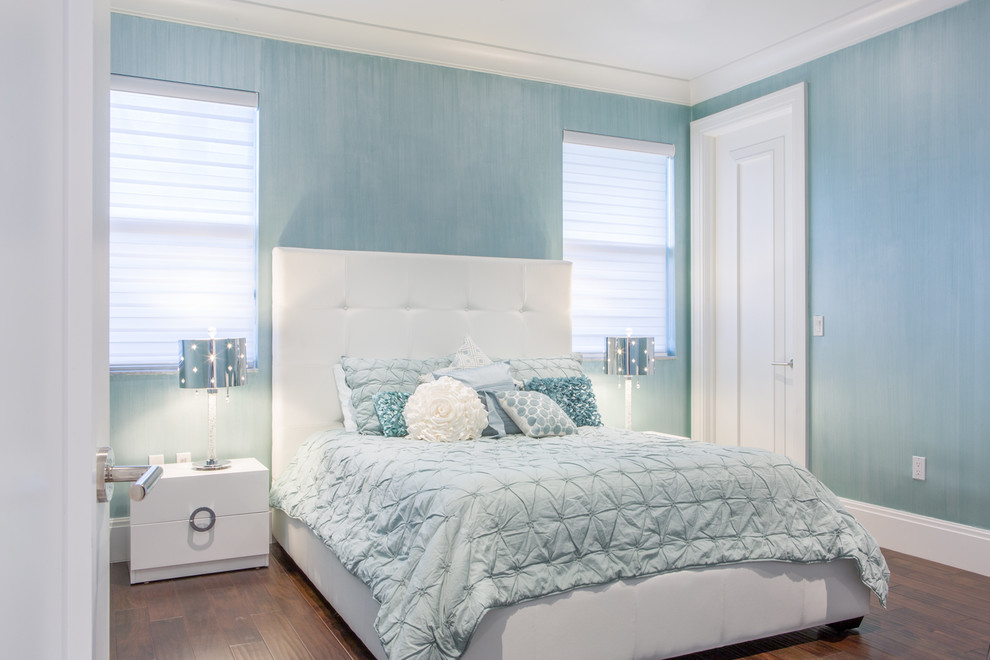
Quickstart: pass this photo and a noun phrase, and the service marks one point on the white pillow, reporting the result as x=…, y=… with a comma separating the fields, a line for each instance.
x=344, y=394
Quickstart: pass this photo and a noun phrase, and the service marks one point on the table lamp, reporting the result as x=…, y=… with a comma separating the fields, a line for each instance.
x=629, y=357
x=212, y=364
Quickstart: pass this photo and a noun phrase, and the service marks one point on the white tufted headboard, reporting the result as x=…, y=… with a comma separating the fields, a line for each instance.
x=329, y=303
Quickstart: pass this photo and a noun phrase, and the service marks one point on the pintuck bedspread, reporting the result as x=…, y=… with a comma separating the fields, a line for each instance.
x=443, y=532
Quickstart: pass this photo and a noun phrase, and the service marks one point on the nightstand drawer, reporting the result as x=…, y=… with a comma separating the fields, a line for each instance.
x=242, y=488
x=170, y=545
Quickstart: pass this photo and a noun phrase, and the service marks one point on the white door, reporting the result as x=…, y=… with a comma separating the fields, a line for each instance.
x=54, y=393
x=749, y=316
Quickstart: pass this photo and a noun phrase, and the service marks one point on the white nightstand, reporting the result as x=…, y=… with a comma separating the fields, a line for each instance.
x=229, y=530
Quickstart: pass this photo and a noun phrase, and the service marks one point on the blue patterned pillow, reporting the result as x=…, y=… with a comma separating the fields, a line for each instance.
x=390, y=406
x=574, y=394
x=535, y=414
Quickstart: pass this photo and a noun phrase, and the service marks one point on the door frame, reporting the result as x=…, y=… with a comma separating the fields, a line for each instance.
x=790, y=103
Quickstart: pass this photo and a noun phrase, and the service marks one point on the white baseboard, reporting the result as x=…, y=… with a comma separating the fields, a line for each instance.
x=960, y=546
x=120, y=540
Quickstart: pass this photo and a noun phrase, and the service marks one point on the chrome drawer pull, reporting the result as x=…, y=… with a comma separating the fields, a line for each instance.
x=209, y=526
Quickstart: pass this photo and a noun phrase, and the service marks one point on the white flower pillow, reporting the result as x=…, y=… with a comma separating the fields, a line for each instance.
x=445, y=410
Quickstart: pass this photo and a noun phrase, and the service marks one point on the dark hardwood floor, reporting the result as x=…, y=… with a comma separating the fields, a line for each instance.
x=934, y=611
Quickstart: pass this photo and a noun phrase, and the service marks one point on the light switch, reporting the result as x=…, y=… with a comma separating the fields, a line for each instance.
x=156, y=459
x=819, y=326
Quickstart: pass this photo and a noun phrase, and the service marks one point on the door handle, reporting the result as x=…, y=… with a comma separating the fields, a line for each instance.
x=789, y=363
x=107, y=474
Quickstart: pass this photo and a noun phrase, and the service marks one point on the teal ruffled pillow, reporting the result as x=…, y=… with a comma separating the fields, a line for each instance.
x=390, y=406
x=574, y=394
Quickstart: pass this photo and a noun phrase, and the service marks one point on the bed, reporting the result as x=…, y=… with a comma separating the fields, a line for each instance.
x=327, y=304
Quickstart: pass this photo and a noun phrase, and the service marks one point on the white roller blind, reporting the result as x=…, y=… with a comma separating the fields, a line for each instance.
x=183, y=219
x=616, y=203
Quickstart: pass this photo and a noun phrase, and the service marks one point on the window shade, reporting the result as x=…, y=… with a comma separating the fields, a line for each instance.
x=616, y=204
x=183, y=219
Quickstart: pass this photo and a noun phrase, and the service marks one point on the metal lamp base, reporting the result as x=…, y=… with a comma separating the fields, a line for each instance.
x=211, y=464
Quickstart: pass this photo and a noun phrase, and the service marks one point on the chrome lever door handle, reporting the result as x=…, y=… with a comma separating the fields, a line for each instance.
x=144, y=476
x=789, y=363
x=149, y=477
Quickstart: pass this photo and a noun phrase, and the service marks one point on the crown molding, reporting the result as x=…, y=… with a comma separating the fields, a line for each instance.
x=866, y=23
x=275, y=22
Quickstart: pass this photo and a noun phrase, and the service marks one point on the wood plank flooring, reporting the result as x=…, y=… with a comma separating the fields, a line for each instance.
x=274, y=613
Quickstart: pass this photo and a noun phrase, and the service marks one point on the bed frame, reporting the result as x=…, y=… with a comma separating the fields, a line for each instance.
x=328, y=303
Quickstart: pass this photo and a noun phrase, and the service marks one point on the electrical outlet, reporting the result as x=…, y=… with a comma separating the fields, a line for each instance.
x=183, y=457
x=918, y=468
x=156, y=459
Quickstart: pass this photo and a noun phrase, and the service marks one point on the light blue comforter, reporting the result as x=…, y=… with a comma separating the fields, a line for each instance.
x=442, y=532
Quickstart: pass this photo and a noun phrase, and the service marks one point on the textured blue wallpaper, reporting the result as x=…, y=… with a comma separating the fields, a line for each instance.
x=899, y=259
x=368, y=153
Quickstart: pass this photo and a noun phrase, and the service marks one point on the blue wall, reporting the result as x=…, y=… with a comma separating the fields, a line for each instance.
x=368, y=153
x=899, y=263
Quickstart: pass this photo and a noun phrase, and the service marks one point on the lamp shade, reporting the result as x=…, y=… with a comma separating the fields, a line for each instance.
x=629, y=356
x=212, y=363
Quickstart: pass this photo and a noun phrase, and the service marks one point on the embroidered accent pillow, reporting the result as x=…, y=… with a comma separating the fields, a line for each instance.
x=469, y=355
x=536, y=414
x=390, y=406
x=574, y=394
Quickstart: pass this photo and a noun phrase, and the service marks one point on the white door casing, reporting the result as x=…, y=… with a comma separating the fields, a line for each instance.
x=748, y=275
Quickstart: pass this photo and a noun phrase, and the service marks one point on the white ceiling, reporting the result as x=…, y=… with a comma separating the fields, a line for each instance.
x=675, y=50
x=680, y=39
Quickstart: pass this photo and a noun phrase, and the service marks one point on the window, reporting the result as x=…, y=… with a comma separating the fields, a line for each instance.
x=617, y=205
x=183, y=219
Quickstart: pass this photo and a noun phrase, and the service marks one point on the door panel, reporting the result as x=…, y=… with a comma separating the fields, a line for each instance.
x=748, y=279
x=53, y=277
x=756, y=300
